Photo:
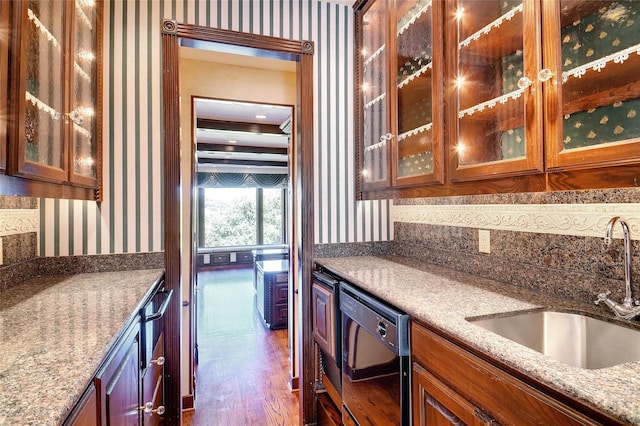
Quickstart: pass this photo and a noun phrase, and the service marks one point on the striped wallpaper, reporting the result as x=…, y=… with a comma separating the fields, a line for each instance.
x=130, y=218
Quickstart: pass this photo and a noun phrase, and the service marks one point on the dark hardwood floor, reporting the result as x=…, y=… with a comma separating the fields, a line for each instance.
x=243, y=372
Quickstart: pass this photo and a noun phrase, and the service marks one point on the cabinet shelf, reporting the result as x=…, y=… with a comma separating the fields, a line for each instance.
x=615, y=77
x=374, y=56
x=422, y=71
x=42, y=106
x=43, y=29
x=421, y=129
x=494, y=106
x=411, y=17
x=81, y=72
x=375, y=101
x=84, y=18
x=498, y=38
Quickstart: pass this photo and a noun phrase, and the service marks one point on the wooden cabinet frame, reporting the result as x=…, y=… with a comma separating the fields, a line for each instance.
x=545, y=167
x=33, y=179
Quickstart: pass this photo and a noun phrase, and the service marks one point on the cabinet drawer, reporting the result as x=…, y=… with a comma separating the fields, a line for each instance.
x=220, y=259
x=501, y=395
x=244, y=257
x=280, y=315
x=280, y=293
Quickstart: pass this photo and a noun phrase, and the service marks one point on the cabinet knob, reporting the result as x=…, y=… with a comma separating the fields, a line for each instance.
x=524, y=82
x=545, y=74
x=159, y=361
x=148, y=409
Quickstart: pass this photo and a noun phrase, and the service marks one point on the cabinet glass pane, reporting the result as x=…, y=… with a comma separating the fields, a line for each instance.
x=374, y=93
x=44, y=80
x=491, y=113
x=600, y=62
x=84, y=93
x=414, y=80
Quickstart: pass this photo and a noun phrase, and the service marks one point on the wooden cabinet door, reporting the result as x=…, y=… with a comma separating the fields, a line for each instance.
x=86, y=412
x=593, y=98
x=118, y=383
x=435, y=404
x=323, y=320
x=495, y=123
x=123, y=393
x=417, y=64
x=373, y=127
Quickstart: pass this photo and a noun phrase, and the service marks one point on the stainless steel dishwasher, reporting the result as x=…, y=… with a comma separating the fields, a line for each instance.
x=375, y=360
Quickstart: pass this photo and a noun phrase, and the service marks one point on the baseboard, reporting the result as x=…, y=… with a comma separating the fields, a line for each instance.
x=188, y=402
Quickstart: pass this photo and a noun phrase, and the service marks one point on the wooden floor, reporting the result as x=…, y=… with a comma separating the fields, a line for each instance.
x=243, y=372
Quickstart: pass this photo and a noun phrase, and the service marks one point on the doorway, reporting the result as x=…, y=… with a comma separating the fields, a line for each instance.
x=178, y=255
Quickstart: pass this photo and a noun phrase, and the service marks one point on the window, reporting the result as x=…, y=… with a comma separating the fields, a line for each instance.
x=232, y=217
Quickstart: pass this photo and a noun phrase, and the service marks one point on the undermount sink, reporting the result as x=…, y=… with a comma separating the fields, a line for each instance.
x=574, y=339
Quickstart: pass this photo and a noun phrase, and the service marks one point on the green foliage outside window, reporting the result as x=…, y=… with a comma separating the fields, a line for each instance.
x=231, y=215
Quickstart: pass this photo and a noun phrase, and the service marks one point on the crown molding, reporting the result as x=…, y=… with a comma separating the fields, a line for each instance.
x=588, y=220
x=21, y=221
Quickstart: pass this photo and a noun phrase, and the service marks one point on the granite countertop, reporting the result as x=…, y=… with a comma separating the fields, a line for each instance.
x=445, y=298
x=54, y=332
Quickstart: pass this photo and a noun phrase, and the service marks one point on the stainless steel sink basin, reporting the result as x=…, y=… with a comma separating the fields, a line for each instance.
x=574, y=339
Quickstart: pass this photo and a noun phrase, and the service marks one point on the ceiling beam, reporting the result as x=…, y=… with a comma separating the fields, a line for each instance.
x=207, y=123
x=201, y=146
x=241, y=162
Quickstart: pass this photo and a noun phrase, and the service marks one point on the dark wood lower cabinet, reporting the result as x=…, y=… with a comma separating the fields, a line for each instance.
x=153, y=387
x=118, y=383
x=86, y=411
x=454, y=386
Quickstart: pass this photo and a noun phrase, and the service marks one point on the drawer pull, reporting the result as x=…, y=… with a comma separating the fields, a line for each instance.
x=148, y=409
x=159, y=361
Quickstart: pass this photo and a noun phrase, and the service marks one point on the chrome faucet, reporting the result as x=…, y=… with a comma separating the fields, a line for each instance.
x=628, y=309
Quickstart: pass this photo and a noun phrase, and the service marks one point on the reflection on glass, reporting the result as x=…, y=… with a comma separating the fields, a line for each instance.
x=84, y=94
x=600, y=41
x=490, y=91
x=414, y=79
x=44, y=79
x=374, y=92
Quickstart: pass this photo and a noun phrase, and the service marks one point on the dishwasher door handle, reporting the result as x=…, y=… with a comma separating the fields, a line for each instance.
x=160, y=313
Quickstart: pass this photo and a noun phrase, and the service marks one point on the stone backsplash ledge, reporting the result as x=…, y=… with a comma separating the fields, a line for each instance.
x=575, y=267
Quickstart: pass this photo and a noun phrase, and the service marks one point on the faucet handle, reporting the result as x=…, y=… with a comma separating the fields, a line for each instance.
x=602, y=297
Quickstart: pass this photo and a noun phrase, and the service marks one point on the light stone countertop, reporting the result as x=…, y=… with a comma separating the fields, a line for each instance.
x=444, y=298
x=54, y=333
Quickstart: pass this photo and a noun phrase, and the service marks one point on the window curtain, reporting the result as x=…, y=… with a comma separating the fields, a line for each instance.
x=242, y=180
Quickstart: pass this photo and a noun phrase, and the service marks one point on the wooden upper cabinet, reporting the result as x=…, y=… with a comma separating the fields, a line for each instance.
x=399, y=92
x=496, y=97
x=54, y=82
x=372, y=92
x=593, y=100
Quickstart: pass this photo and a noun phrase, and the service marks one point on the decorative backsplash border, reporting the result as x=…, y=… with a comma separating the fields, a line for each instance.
x=19, y=221
x=561, y=219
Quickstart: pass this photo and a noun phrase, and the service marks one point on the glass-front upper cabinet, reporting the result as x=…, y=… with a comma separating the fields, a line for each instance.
x=593, y=107
x=418, y=149
x=5, y=25
x=84, y=95
x=54, y=81
x=42, y=143
x=496, y=88
x=399, y=70
x=374, y=130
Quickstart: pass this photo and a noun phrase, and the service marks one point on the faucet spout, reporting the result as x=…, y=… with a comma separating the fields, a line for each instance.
x=628, y=299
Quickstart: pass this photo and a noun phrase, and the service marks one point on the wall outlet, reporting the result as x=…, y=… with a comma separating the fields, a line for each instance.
x=484, y=241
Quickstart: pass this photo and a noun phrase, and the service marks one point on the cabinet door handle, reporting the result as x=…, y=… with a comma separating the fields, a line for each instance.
x=524, y=82
x=159, y=361
x=148, y=409
x=545, y=74
x=162, y=309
